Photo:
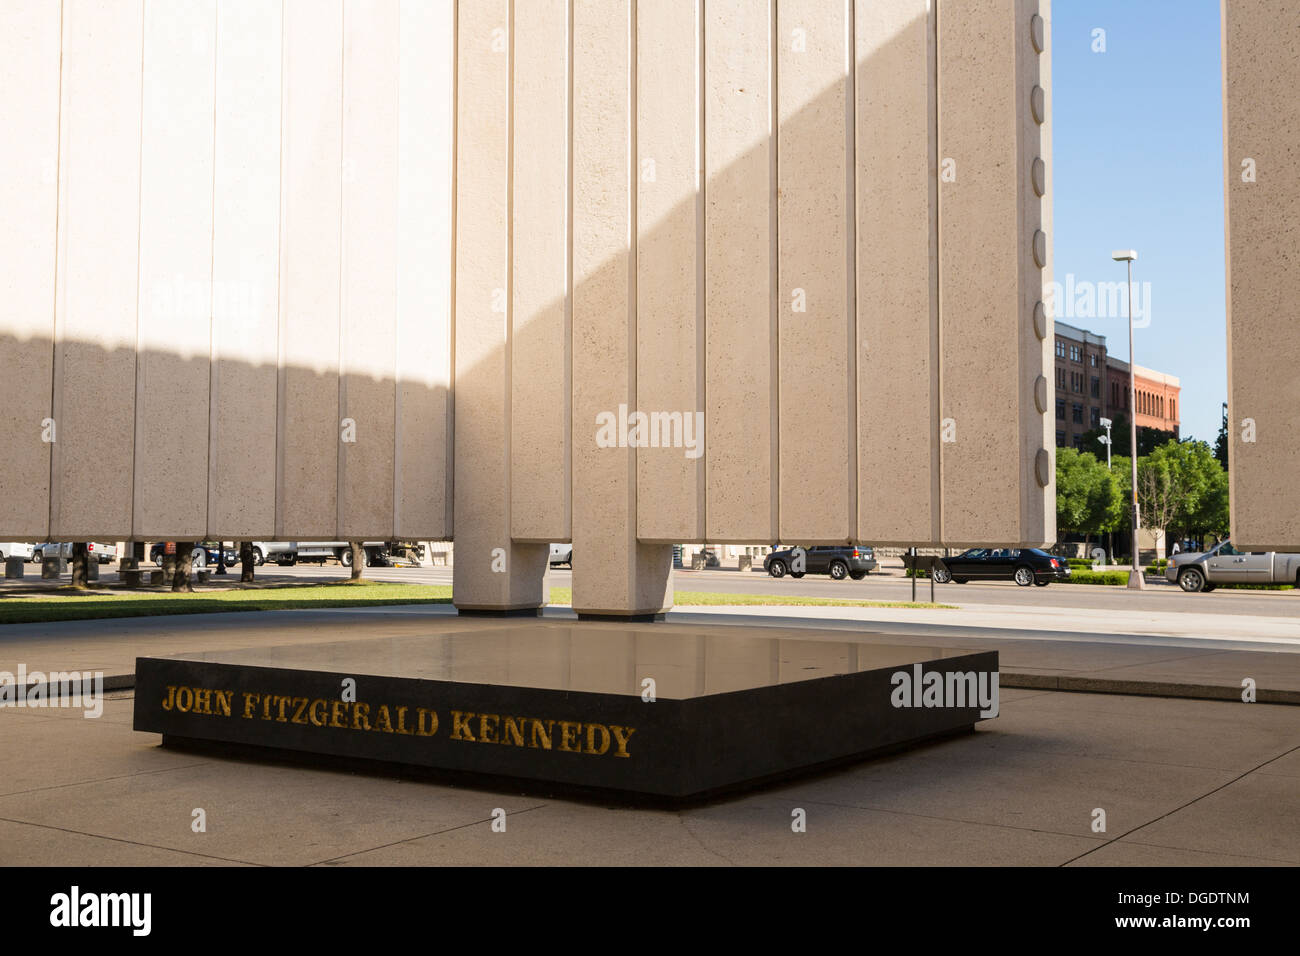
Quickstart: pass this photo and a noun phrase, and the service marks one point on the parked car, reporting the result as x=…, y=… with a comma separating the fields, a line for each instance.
x=204, y=554
x=839, y=561
x=288, y=553
x=15, y=549
x=1224, y=564
x=102, y=551
x=1025, y=566
x=561, y=554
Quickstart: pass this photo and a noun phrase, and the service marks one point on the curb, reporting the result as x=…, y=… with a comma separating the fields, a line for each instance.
x=1139, y=688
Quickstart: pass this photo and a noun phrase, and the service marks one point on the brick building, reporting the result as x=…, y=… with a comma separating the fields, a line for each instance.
x=1092, y=385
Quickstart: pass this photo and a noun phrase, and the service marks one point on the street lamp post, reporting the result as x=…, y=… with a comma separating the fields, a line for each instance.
x=1135, y=573
x=1105, y=440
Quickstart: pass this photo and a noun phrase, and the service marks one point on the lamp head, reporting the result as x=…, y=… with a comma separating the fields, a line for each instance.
x=1124, y=255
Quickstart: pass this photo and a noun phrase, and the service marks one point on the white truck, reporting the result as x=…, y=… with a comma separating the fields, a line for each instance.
x=288, y=553
x=1224, y=564
x=15, y=549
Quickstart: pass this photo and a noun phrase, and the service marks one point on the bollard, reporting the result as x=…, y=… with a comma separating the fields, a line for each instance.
x=746, y=562
x=14, y=567
x=128, y=570
x=52, y=565
x=203, y=576
x=92, y=568
x=697, y=562
x=156, y=577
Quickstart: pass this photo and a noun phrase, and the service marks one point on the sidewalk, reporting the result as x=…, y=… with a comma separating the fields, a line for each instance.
x=1196, y=655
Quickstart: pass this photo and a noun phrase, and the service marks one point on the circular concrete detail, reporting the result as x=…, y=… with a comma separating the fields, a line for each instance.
x=1040, y=248
x=1040, y=319
x=1037, y=103
x=1040, y=393
x=1043, y=467
x=1037, y=33
x=1038, y=175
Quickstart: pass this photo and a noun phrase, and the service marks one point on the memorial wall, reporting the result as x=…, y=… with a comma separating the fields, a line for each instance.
x=622, y=272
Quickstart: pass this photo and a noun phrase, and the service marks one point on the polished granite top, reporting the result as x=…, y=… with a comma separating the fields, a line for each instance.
x=684, y=661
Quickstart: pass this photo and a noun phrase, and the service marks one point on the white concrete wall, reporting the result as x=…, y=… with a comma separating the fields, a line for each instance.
x=363, y=208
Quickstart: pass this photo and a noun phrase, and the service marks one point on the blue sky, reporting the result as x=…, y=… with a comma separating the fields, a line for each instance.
x=1138, y=163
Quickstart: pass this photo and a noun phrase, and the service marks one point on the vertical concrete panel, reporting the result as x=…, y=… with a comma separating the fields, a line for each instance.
x=669, y=281
x=740, y=365
x=490, y=573
x=245, y=264
x=175, y=307
x=422, y=499
x=1261, y=65
x=540, y=376
x=818, y=468
x=990, y=428
x=897, y=275
x=614, y=574
x=29, y=115
x=311, y=185
x=97, y=271
x=368, y=306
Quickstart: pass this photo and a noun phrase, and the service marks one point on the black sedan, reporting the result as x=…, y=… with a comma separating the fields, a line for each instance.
x=1025, y=566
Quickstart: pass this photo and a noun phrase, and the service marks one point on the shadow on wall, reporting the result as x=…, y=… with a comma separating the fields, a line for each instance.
x=223, y=449
x=798, y=423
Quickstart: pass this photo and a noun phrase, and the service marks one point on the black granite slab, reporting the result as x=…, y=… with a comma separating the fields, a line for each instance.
x=567, y=704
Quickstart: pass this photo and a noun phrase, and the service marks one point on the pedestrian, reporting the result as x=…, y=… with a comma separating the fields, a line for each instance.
x=1176, y=549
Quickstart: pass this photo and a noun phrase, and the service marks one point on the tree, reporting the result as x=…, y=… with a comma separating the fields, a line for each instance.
x=358, y=560
x=1221, y=442
x=1088, y=496
x=1149, y=439
x=80, y=565
x=181, y=577
x=246, y=562
x=1182, y=487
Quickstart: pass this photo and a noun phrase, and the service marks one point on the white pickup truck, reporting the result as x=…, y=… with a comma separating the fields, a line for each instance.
x=1224, y=564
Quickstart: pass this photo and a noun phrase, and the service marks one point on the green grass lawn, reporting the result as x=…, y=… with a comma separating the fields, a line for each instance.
x=33, y=605
x=700, y=598
x=65, y=604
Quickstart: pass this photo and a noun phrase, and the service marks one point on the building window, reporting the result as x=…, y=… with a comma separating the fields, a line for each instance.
x=1060, y=439
x=1060, y=349
x=1096, y=387
x=1096, y=359
x=1060, y=409
x=1077, y=414
x=1094, y=417
x=1060, y=378
x=1173, y=408
x=1078, y=442
x=1076, y=354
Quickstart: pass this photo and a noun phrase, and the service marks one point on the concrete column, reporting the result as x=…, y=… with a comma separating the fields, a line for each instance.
x=1262, y=184
x=897, y=274
x=993, y=433
x=422, y=498
x=14, y=567
x=245, y=262
x=614, y=573
x=817, y=334
x=174, y=326
x=740, y=311
x=29, y=181
x=670, y=272
x=96, y=302
x=310, y=429
x=541, y=374
x=492, y=573
x=368, y=304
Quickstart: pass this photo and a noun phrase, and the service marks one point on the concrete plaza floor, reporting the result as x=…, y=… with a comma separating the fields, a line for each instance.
x=1182, y=782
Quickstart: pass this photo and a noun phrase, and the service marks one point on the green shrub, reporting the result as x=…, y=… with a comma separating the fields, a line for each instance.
x=1096, y=577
